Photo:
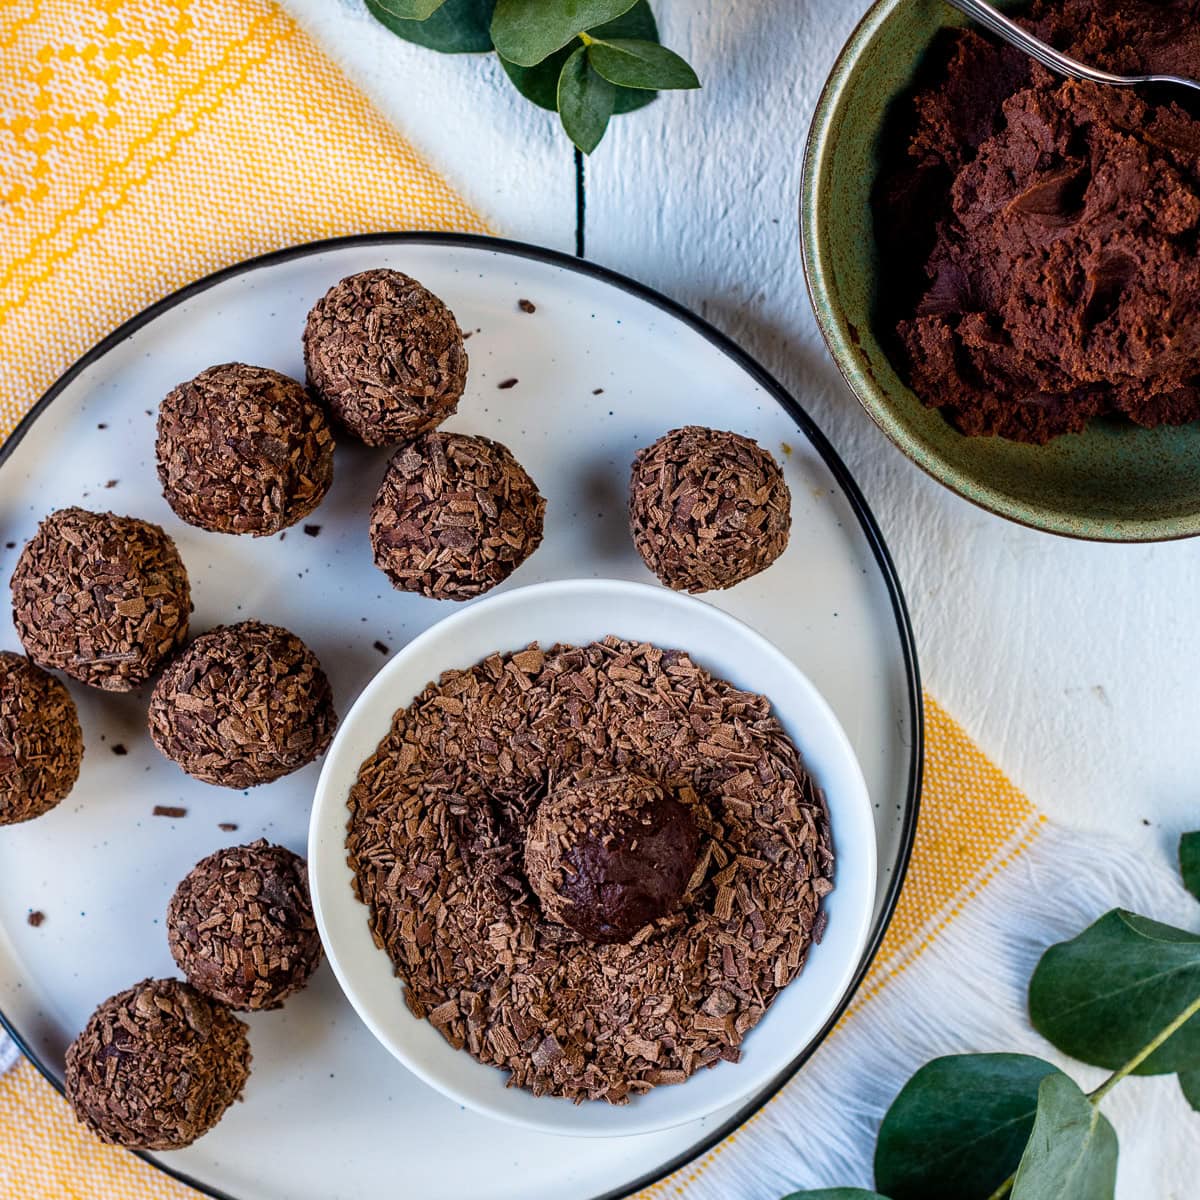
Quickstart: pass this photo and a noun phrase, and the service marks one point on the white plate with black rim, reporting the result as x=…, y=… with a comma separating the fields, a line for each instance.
x=602, y=366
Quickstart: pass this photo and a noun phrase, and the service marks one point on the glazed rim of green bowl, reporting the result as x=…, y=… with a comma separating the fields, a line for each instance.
x=1114, y=482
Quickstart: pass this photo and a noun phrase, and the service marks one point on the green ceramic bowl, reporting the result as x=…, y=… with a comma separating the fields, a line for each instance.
x=1113, y=482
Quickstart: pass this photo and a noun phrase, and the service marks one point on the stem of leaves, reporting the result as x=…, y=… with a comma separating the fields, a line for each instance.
x=1120, y=1073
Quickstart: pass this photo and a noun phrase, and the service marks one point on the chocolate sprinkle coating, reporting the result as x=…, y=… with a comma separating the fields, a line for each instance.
x=708, y=509
x=455, y=516
x=243, y=450
x=608, y=856
x=157, y=1066
x=241, y=928
x=101, y=597
x=385, y=355
x=41, y=744
x=436, y=839
x=243, y=705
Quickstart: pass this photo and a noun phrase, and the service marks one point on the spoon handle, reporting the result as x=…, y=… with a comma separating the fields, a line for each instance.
x=992, y=18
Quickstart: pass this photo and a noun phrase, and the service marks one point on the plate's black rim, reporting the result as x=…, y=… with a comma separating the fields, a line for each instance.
x=866, y=519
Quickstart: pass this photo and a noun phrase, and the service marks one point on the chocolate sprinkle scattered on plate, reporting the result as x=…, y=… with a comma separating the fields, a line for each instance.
x=101, y=597
x=169, y=810
x=436, y=838
x=243, y=449
x=708, y=509
x=41, y=744
x=385, y=355
x=455, y=516
x=119, y=749
x=527, y=306
x=228, y=826
x=242, y=705
x=381, y=647
x=312, y=530
x=241, y=928
x=505, y=384
x=36, y=918
x=157, y=1066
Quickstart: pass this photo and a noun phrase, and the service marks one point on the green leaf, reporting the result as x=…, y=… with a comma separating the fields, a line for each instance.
x=957, y=1129
x=409, y=10
x=585, y=102
x=1105, y=995
x=1189, y=862
x=637, y=64
x=1072, y=1151
x=458, y=26
x=527, y=31
x=836, y=1194
x=1189, y=1081
x=540, y=83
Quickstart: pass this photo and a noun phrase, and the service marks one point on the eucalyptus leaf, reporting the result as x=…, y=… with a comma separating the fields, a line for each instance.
x=1189, y=862
x=836, y=1194
x=1189, y=1081
x=528, y=31
x=1072, y=1151
x=1105, y=995
x=540, y=83
x=958, y=1127
x=457, y=27
x=585, y=101
x=637, y=64
x=409, y=10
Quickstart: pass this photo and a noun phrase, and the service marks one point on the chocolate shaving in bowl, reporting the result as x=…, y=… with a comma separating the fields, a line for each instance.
x=101, y=597
x=41, y=744
x=708, y=508
x=438, y=820
x=385, y=355
x=243, y=449
x=454, y=516
x=243, y=705
x=241, y=927
x=156, y=1066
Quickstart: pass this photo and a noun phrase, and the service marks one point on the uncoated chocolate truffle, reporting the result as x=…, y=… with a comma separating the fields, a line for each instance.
x=101, y=597
x=243, y=450
x=157, y=1066
x=607, y=856
x=386, y=356
x=241, y=926
x=41, y=745
x=243, y=705
x=455, y=516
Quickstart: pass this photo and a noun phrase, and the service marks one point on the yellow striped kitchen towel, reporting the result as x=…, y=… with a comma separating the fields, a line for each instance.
x=144, y=143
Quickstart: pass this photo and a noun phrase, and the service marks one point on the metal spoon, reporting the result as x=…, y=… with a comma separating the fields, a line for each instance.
x=992, y=18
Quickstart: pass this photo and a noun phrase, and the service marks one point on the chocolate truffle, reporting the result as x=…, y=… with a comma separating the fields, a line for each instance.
x=101, y=597
x=708, y=508
x=157, y=1066
x=243, y=705
x=41, y=745
x=386, y=356
x=455, y=515
x=608, y=856
x=241, y=926
x=243, y=450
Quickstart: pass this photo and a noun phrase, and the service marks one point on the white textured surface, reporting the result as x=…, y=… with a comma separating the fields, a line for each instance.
x=1075, y=666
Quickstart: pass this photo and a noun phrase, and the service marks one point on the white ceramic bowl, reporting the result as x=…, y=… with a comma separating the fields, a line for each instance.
x=579, y=612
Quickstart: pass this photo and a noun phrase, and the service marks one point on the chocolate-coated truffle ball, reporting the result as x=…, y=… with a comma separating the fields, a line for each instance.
x=101, y=597
x=241, y=926
x=157, y=1066
x=386, y=356
x=243, y=450
x=455, y=515
x=41, y=745
x=243, y=705
x=608, y=856
x=708, y=509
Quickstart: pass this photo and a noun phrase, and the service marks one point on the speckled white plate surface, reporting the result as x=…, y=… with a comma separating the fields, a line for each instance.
x=602, y=368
